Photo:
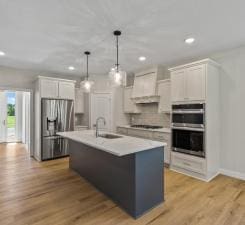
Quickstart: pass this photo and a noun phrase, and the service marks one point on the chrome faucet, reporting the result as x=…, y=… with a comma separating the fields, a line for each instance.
x=97, y=125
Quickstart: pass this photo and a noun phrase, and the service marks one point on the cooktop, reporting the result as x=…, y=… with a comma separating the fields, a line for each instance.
x=146, y=126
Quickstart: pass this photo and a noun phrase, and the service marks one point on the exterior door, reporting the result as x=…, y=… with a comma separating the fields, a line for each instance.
x=3, y=117
x=101, y=106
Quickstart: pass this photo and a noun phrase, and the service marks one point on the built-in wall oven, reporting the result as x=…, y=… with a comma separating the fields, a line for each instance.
x=188, y=129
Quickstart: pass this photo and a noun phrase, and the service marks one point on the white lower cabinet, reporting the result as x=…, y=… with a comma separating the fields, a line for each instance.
x=122, y=130
x=140, y=133
x=80, y=128
x=188, y=162
x=151, y=135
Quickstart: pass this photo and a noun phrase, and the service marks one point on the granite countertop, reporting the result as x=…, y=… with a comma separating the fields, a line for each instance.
x=163, y=130
x=119, y=146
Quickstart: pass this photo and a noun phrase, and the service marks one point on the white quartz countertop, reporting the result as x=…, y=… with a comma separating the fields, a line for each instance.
x=163, y=130
x=119, y=146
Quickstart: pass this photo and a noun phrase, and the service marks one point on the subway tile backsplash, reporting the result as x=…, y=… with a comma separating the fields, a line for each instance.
x=149, y=116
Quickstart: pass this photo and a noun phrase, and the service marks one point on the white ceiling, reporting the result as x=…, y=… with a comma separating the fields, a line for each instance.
x=51, y=35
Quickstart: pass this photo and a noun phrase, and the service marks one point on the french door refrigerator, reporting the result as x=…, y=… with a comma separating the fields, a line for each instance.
x=56, y=116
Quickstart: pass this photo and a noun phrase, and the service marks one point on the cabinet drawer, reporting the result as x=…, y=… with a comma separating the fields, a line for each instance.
x=122, y=130
x=140, y=133
x=190, y=163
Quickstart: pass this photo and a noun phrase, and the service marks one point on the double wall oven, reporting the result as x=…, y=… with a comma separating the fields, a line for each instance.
x=188, y=129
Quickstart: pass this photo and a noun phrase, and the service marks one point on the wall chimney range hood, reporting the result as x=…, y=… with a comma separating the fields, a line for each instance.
x=145, y=85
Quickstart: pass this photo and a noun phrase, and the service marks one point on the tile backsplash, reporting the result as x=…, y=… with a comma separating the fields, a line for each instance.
x=150, y=116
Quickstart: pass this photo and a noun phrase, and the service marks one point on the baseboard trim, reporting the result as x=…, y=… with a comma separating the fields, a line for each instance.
x=234, y=174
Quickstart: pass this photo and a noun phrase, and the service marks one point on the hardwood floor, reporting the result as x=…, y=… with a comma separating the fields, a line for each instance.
x=49, y=193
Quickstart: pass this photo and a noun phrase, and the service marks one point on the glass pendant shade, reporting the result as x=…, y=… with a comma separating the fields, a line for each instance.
x=86, y=84
x=116, y=75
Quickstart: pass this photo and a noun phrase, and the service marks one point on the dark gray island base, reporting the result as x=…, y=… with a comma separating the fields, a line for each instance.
x=134, y=181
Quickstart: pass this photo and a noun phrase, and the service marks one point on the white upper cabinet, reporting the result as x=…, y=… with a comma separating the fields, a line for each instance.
x=189, y=83
x=145, y=85
x=138, y=88
x=178, y=85
x=49, y=88
x=66, y=90
x=149, y=84
x=79, y=101
x=195, y=83
x=56, y=88
x=128, y=105
x=164, y=91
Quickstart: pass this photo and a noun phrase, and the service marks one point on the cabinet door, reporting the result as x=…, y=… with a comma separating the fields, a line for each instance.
x=178, y=86
x=149, y=84
x=137, y=89
x=49, y=88
x=165, y=95
x=129, y=106
x=79, y=101
x=66, y=90
x=195, y=83
x=144, y=85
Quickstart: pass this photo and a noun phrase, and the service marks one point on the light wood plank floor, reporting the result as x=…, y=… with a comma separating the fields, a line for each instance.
x=49, y=193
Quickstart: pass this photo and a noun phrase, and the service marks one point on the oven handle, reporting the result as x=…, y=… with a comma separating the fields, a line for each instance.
x=188, y=128
x=201, y=111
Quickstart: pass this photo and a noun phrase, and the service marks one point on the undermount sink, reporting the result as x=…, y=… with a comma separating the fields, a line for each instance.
x=109, y=136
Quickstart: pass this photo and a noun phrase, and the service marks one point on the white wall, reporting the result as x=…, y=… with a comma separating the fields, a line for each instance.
x=23, y=79
x=232, y=111
x=18, y=114
x=26, y=119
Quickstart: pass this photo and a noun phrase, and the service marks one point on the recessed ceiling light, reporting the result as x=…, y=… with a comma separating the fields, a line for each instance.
x=142, y=58
x=189, y=40
x=2, y=53
x=71, y=68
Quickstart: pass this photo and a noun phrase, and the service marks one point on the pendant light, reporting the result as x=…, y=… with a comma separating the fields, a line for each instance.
x=117, y=76
x=86, y=84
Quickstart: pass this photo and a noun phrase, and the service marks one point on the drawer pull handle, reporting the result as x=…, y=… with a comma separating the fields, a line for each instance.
x=187, y=164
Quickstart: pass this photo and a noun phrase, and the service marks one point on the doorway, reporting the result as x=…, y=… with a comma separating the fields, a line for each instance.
x=15, y=117
x=101, y=106
x=11, y=119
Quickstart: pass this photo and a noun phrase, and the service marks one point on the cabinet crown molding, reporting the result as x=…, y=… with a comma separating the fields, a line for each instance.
x=54, y=78
x=196, y=63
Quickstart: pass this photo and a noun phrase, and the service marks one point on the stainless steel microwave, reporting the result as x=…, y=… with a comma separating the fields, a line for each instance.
x=188, y=129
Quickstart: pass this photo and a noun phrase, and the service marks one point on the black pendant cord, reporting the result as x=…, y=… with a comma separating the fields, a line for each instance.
x=117, y=53
x=117, y=33
x=87, y=54
x=87, y=67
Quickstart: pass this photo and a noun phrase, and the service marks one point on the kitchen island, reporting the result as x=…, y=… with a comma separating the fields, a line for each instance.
x=129, y=170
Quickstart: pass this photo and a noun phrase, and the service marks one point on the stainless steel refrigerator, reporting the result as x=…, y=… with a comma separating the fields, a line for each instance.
x=57, y=116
